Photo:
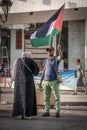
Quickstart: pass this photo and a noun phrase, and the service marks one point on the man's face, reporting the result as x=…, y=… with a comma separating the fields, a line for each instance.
x=77, y=62
x=50, y=52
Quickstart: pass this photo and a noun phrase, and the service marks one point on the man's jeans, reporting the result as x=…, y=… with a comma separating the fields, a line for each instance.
x=54, y=86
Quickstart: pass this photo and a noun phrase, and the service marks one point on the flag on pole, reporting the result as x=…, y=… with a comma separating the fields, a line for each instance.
x=45, y=33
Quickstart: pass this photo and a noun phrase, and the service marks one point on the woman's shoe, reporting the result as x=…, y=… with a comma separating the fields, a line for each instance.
x=22, y=117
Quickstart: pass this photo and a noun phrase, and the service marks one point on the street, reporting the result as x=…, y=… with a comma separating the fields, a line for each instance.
x=72, y=118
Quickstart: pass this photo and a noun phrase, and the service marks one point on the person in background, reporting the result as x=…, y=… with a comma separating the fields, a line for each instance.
x=1, y=71
x=79, y=74
x=50, y=81
x=65, y=64
x=1, y=68
x=24, y=69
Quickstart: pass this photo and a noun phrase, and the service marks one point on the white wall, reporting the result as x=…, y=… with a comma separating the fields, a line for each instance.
x=15, y=53
x=76, y=43
x=86, y=48
x=40, y=5
x=42, y=16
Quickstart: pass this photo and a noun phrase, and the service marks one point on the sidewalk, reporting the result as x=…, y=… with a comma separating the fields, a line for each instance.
x=73, y=112
x=66, y=97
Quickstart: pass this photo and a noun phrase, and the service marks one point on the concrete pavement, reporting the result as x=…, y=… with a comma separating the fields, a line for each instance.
x=72, y=118
x=73, y=114
x=66, y=97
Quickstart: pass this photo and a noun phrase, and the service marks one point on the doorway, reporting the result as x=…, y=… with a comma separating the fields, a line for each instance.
x=5, y=46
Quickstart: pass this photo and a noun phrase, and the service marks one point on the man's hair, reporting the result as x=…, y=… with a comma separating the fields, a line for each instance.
x=78, y=60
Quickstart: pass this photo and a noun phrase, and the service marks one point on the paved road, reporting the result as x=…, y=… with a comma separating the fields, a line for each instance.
x=72, y=118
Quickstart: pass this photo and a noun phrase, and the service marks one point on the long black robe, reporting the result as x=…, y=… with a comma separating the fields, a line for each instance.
x=24, y=91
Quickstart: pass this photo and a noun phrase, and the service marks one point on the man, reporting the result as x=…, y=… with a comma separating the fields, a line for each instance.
x=50, y=81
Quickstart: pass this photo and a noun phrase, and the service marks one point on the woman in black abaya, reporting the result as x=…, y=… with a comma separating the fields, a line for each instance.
x=24, y=92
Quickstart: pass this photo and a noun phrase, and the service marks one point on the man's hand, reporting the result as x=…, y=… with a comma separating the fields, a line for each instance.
x=60, y=56
x=40, y=85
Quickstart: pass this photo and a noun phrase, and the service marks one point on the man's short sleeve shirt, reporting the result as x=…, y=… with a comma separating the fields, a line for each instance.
x=49, y=74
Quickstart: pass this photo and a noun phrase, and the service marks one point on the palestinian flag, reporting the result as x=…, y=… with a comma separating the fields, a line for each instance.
x=45, y=33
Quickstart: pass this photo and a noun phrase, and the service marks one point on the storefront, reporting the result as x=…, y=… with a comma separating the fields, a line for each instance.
x=5, y=46
x=22, y=23
x=72, y=41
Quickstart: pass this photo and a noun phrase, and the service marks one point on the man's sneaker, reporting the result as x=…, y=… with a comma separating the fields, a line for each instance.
x=57, y=114
x=46, y=114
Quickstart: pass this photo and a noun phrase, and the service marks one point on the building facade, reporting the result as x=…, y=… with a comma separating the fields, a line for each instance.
x=26, y=16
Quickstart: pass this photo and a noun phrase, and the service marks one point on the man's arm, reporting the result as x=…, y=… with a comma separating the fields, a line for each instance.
x=60, y=56
x=42, y=77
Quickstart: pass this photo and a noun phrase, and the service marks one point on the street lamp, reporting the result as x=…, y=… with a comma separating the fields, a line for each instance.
x=5, y=5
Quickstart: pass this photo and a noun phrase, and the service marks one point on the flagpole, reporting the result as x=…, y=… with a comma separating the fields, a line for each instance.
x=59, y=37
x=59, y=48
